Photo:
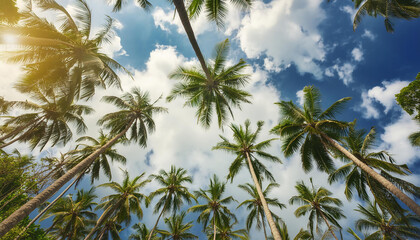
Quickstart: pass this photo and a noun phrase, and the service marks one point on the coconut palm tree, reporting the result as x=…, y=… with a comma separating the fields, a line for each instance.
x=359, y=143
x=405, y=9
x=215, y=205
x=102, y=161
x=46, y=120
x=141, y=232
x=215, y=10
x=119, y=206
x=217, y=95
x=301, y=235
x=318, y=203
x=386, y=227
x=136, y=114
x=255, y=207
x=316, y=132
x=68, y=58
x=110, y=228
x=226, y=232
x=247, y=151
x=178, y=230
x=72, y=214
x=173, y=192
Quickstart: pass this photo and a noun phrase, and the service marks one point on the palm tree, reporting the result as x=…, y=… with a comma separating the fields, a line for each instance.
x=247, y=150
x=215, y=10
x=119, y=206
x=178, y=230
x=318, y=203
x=72, y=215
x=386, y=227
x=315, y=132
x=141, y=232
x=47, y=120
x=255, y=207
x=102, y=161
x=217, y=95
x=137, y=115
x=214, y=206
x=359, y=143
x=405, y=9
x=110, y=228
x=301, y=235
x=174, y=192
x=226, y=232
x=67, y=58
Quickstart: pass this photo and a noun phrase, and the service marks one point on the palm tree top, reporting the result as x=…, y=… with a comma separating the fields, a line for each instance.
x=178, y=230
x=244, y=144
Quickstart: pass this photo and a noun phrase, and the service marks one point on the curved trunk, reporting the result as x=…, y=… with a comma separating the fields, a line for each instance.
x=157, y=221
x=49, y=206
x=383, y=181
x=271, y=223
x=328, y=224
x=35, y=202
x=183, y=16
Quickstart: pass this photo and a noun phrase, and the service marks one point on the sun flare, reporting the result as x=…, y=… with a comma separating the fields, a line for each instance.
x=9, y=39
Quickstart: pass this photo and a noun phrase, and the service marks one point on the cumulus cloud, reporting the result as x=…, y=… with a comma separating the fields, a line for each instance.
x=384, y=95
x=287, y=33
x=349, y=10
x=357, y=54
x=344, y=72
x=369, y=35
x=299, y=95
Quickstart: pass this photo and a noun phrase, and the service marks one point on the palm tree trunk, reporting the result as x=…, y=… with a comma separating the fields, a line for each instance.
x=35, y=202
x=183, y=16
x=157, y=221
x=49, y=206
x=104, y=215
x=329, y=226
x=263, y=225
x=272, y=224
x=387, y=184
x=214, y=228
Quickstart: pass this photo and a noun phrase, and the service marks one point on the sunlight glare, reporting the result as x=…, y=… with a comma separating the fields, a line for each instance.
x=9, y=39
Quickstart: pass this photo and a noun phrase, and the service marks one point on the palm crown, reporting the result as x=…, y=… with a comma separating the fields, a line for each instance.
x=216, y=95
x=67, y=58
x=304, y=128
x=178, y=230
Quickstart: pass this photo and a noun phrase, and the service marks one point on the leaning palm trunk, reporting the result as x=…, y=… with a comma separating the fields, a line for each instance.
x=383, y=181
x=263, y=225
x=329, y=226
x=35, y=202
x=157, y=221
x=49, y=206
x=214, y=228
x=183, y=16
x=272, y=224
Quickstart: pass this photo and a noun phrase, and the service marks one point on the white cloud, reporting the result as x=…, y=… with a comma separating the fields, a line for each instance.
x=163, y=19
x=369, y=35
x=350, y=10
x=395, y=140
x=285, y=31
x=367, y=108
x=299, y=95
x=344, y=72
x=357, y=54
x=113, y=48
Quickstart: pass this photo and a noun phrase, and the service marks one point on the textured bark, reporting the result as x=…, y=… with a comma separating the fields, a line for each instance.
x=383, y=181
x=271, y=223
x=183, y=16
x=49, y=206
x=157, y=221
x=35, y=202
x=214, y=228
x=263, y=225
x=328, y=224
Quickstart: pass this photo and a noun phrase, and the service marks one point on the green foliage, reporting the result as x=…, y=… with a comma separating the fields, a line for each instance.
x=141, y=232
x=178, y=230
x=8, y=12
x=226, y=232
x=409, y=98
x=16, y=172
x=216, y=95
x=305, y=129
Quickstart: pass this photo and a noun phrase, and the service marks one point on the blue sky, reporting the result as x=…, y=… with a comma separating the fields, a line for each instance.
x=288, y=44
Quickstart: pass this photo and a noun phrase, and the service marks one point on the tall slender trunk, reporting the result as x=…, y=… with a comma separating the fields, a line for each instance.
x=383, y=181
x=157, y=221
x=49, y=206
x=328, y=224
x=263, y=225
x=35, y=202
x=183, y=16
x=214, y=228
x=271, y=223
